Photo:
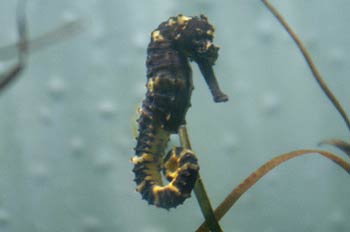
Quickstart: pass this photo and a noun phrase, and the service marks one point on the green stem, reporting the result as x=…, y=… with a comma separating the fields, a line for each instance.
x=199, y=190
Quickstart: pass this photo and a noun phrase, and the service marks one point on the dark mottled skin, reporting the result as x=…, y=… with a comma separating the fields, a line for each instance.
x=173, y=44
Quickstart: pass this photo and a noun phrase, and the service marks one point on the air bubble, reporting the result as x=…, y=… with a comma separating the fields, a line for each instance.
x=140, y=40
x=230, y=142
x=40, y=173
x=265, y=30
x=77, y=145
x=97, y=31
x=270, y=103
x=69, y=17
x=56, y=87
x=104, y=161
x=4, y=217
x=336, y=57
x=91, y=224
x=107, y=109
x=45, y=115
x=337, y=217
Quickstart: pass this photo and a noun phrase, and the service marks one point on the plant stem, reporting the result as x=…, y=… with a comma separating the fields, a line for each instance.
x=22, y=48
x=247, y=183
x=310, y=63
x=199, y=190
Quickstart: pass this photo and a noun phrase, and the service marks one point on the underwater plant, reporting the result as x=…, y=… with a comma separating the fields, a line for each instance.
x=255, y=176
x=24, y=45
x=8, y=76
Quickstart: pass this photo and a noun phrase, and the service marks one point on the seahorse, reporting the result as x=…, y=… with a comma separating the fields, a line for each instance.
x=173, y=44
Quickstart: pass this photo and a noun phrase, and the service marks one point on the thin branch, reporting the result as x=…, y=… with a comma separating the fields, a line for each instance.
x=310, y=63
x=343, y=146
x=199, y=190
x=61, y=33
x=22, y=47
x=247, y=183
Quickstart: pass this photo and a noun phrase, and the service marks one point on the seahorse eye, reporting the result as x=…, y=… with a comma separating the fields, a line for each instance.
x=205, y=50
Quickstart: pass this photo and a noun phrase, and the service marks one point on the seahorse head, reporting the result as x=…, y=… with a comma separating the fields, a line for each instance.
x=194, y=36
x=190, y=37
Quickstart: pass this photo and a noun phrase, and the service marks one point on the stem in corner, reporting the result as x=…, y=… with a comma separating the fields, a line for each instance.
x=310, y=63
x=199, y=190
x=255, y=176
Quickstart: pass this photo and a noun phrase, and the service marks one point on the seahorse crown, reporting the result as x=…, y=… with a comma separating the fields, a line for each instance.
x=191, y=35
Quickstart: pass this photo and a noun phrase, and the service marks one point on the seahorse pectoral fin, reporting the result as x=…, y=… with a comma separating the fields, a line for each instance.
x=209, y=76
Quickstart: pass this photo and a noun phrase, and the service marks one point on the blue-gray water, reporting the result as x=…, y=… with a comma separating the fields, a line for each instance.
x=66, y=125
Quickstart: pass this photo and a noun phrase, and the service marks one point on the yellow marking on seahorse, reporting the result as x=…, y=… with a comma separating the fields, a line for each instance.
x=141, y=186
x=142, y=158
x=150, y=85
x=198, y=30
x=168, y=116
x=171, y=22
x=169, y=187
x=208, y=45
x=210, y=32
x=140, y=111
x=181, y=19
x=171, y=166
x=156, y=36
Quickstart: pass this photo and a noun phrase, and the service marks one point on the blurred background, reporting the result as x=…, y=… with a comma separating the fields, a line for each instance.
x=66, y=126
